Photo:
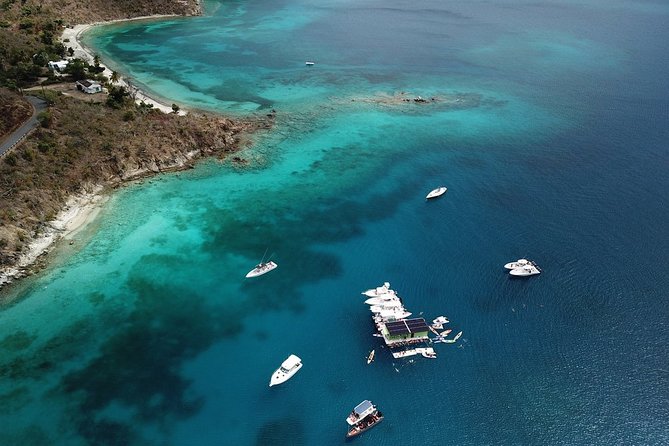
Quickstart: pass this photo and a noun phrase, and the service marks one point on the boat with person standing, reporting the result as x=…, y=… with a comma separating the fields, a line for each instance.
x=364, y=416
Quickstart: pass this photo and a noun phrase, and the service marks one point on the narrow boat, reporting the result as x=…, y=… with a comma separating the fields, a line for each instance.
x=364, y=416
x=434, y=193
x=517, y=264
x=370, y=357
x=261, y=268
x=288, y=368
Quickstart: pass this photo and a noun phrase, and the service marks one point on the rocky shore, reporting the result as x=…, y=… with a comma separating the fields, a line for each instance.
x=72, y=169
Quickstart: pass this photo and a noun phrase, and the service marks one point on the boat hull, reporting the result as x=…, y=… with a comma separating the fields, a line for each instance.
x=436, y=193
x=280, y=377
x=356, y=430
x=260, y=270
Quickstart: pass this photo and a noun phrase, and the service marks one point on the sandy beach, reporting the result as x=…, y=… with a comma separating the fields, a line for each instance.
x=71, y=38
x=81, y=209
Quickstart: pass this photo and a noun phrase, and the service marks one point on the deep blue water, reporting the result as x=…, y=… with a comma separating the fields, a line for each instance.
x=549, y=129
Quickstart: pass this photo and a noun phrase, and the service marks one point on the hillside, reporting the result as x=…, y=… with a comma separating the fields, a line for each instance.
x=64, y=157
x=14, y=110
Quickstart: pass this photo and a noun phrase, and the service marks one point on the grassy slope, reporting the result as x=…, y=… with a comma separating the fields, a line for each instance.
x=81, y=144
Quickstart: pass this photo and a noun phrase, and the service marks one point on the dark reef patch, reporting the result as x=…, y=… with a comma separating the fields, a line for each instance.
x=286, y=431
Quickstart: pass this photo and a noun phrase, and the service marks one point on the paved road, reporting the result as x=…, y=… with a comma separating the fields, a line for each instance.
x=17, y=135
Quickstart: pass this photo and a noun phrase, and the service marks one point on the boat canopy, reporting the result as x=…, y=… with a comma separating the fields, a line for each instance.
x=407, y=326
x=291, y=362
x=363, y=408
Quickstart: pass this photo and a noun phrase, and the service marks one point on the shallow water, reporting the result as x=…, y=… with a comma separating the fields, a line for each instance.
x=549, y=127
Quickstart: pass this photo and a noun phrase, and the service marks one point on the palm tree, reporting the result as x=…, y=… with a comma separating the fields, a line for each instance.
x=114, y=77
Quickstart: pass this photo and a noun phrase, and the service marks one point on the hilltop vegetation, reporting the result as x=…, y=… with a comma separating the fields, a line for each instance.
x=82, y=144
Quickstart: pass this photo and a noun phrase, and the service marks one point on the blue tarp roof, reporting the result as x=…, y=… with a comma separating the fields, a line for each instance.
x=362, y=407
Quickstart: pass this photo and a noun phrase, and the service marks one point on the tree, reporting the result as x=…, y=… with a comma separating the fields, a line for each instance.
x=175, y=108
x=114, y=77
x=70, y=51
x=77, y=69
x=117, y=96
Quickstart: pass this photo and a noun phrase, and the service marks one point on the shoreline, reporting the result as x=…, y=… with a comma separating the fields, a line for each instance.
x=82, y=208
x=79, y=211
x=73, y=37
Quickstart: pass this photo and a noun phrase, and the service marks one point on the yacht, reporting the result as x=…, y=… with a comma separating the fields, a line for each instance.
x=261, y=268
x=517, y=264
x=288, y=368
x=436, y=192
x=392, y=314
x=379, y=291
x=386, y=306
x=381, y=300
x=527, y=270
x=364, y=416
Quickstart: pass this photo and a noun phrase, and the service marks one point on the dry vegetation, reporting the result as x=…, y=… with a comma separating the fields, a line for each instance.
x=14, y=110
x=81, y=144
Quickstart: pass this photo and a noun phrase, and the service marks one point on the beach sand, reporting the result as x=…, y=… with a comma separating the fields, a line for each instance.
x=79, y=211
x=71, y=38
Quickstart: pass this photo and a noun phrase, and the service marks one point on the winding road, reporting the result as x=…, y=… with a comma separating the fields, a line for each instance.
x=17, y=135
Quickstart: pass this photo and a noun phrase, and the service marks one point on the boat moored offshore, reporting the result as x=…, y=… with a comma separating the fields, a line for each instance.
x=517, y=264
x=288, y=368
x=364, y=416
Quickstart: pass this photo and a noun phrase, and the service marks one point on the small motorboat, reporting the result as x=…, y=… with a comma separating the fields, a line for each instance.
x=528, y=270
x=309, y=63
x=261, y=268
x=370, y=357
x=288, y=368
x=437, y=192
x=439, y=322
x=517, y=264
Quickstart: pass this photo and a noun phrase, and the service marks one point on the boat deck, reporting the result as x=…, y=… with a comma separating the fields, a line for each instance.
x=413, y=352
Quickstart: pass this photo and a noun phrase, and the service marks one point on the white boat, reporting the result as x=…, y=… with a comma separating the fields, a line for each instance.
x=288, y=368
x=379, y=291
x=439, y=322
x=427, y=352
x=527, y=270
x=380, y=300
x=394, y=306
x=309, y=63
x=437, y=192
x=448, y=341
x=517, y=264
x=370, y=358
x=388, y=315
x=261, y=268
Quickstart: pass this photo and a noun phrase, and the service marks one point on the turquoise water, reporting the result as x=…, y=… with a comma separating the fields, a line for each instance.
x=549, y=126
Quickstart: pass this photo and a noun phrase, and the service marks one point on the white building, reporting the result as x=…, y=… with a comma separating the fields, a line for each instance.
x=89, y=87
x=58, y=65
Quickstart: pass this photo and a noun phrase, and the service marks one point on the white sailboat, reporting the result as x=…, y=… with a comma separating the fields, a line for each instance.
x=262, y=267
x=434, y=193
